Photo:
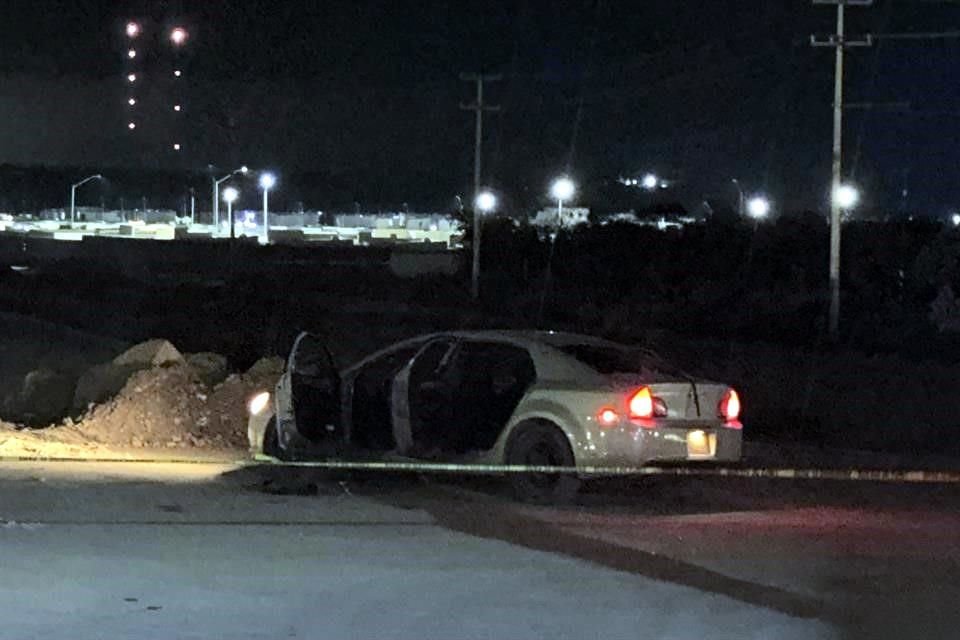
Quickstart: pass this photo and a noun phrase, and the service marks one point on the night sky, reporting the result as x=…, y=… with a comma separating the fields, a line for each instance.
x=361, y=98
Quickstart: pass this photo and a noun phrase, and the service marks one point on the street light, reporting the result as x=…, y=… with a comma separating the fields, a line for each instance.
x=267, y=181
x=178, y=36
x=484, y=202
x=955, y=219
x=650, y=182
x=562, y=189
x=133, y=29
x=846, y=196
x=230, y=195
x=216, y=193
x=758, y=207
x=73, y=194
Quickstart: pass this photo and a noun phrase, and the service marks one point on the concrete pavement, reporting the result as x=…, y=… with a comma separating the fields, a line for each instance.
x=160, y=551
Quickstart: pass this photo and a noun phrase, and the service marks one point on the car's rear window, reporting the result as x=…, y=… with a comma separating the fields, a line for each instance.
x=613, y=359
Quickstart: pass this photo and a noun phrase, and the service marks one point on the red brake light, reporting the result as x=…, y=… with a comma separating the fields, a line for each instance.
x=641, y=404
x=730, y=406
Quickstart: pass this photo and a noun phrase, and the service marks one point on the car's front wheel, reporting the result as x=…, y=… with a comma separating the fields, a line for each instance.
x=539, y=444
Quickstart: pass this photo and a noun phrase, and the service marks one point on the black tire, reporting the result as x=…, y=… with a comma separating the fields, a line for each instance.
x=541, y=444
x=271, y=440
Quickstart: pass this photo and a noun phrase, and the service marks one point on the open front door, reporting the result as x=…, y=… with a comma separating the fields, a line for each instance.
x=314, y=389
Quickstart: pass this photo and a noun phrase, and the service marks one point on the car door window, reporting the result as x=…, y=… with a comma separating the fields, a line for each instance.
x=315, y=388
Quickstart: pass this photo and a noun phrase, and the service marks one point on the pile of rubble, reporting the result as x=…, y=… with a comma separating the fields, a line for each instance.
x=152, y=396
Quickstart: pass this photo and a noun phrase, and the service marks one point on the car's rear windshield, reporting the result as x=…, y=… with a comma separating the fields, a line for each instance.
x=612, y=359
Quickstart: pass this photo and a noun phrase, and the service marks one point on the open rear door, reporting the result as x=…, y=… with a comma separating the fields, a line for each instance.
x=314, y=389
x=420, y=398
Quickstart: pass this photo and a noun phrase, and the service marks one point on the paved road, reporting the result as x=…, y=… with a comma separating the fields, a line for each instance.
x=201, y=551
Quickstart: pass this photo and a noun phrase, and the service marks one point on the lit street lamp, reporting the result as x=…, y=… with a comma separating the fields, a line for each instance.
x=216, y=193
x=267, y=181
x=846, y=196
x=230, y=195
x=758, y=207
x=133, y=29
x=178, y=36
x=650, y=182
x=484, y=203
x=955, y=219
x=73, y=194
x=563, y=189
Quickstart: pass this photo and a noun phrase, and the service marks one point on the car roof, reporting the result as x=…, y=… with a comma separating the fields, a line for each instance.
x=532, y=337
x=543, y=346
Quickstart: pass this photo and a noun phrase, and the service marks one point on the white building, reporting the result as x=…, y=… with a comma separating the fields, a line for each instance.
x=569, y=217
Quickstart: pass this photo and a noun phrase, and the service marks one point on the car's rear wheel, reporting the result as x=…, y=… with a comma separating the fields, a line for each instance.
x=538, y=444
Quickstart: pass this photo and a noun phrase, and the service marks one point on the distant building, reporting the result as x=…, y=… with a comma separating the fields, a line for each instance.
x=569, y=217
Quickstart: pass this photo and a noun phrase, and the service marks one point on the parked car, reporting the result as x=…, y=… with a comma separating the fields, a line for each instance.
x=498, y=397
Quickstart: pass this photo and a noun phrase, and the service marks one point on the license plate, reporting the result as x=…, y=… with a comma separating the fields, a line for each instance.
x=701, y=444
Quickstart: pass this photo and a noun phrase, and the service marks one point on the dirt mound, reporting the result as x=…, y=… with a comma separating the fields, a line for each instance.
x=152, y=353
x=103, y=381
x=227, y=405
x=212, y=368
x=170, y=406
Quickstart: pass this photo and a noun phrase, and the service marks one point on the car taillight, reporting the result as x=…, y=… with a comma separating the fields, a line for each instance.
x=730, y=406
x=644, y=405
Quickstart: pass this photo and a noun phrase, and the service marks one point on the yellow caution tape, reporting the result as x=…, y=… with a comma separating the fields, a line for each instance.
x=871, y=475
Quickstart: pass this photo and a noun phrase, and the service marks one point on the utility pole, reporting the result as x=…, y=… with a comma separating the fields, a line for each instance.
x=478, y=108
x=838, y=41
